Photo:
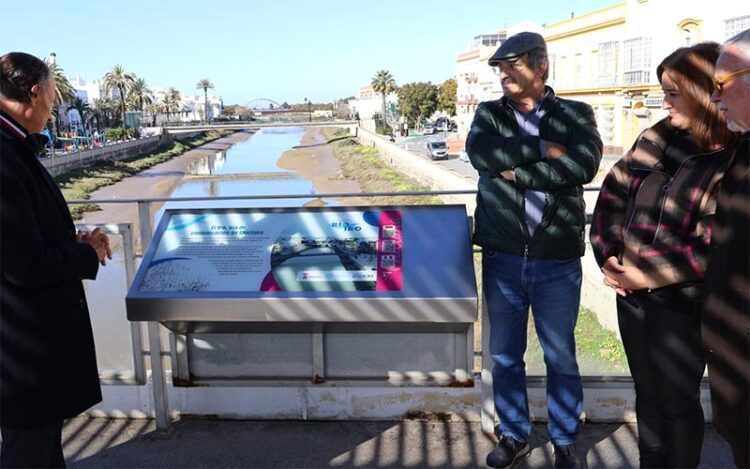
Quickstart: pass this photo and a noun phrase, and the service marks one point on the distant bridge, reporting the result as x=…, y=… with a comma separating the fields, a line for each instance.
x=262, y=103
x=178, y=129
x=267, y=106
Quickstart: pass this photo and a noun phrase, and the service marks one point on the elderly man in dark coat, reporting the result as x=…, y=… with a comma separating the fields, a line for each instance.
x=726, y=311
x=48, y=366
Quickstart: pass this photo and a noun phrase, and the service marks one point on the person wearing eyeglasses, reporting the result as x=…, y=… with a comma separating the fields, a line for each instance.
x=726, y=308
x=533, y=152
x=650, y=235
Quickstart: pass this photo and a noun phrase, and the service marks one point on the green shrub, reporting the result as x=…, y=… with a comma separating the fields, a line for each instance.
x=116, y=133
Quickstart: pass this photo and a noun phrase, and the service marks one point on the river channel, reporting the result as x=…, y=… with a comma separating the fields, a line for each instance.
x=248, y=167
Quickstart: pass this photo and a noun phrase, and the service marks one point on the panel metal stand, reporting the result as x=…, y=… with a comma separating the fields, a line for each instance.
x=158, y=378
x=436, y=296
x=318, y=353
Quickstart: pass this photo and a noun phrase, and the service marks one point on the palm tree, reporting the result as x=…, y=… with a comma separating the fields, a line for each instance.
x=153, y=109
x=102, y=110
x=166, y=106
x=140, y=94
x=120, y=80
x=205, y=84
x=383, y=83
x=64, y=91
x=171, y=102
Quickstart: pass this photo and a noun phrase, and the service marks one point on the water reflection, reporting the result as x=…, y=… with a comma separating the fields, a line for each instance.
x=227, y=173
x=106, y=300
x=255, y=155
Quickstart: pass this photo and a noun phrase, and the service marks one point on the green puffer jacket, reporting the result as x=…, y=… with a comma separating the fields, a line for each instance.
x=493, y=146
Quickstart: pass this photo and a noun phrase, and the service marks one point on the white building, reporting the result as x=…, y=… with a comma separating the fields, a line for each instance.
x=87, y=91
x=369, y=102
x=192, y=107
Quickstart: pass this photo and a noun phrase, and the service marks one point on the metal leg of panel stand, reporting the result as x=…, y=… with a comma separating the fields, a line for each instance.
x=180, y=360
x=461, y=373
x=470, y=353
x=488, y=401
x=139, y=360
x=318, y=353
x=158, y=378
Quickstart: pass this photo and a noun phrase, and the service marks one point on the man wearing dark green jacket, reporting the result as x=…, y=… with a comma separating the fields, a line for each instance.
x=533, y=152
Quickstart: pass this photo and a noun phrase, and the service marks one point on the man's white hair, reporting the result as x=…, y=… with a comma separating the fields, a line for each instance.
x=742, y=47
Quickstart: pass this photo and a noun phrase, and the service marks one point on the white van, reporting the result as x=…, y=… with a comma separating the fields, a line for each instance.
x=437, y=149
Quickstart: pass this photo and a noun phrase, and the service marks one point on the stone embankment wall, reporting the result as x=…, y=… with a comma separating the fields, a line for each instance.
x=118, y=151
x=424, y=171
x=114, y=152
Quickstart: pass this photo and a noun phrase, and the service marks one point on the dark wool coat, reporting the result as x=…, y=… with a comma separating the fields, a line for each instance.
x=726, y=309
x=48, y=368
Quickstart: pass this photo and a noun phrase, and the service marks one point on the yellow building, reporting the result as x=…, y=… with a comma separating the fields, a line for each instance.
x=608, y=58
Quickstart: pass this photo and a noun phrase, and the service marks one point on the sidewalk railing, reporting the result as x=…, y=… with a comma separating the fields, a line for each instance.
x=143, y=238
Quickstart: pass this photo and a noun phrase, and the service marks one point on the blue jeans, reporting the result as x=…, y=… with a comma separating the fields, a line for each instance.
x=553, y=289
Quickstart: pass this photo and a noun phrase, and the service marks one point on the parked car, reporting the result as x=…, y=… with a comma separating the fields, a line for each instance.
x=443, y=124
x=437, y=149
x=428, y=128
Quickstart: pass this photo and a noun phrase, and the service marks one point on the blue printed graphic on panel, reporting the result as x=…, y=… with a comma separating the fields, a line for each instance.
x=188, y=223
x=372, y=217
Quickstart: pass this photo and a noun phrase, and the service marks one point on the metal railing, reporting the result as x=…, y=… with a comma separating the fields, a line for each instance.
x=155, y=346
x=192, y=127
x=144, y=210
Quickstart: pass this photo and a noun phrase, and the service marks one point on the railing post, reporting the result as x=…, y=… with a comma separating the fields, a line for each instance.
x=144, y=224
x=135, y=327
x=158, y=378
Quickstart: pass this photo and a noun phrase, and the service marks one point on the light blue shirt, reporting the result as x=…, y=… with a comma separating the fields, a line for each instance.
x=534, y=201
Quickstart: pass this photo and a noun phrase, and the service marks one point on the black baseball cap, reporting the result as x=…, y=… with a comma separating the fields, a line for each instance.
x=517, y=45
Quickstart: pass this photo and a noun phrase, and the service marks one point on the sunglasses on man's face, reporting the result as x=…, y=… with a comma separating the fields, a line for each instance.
x=507, y=65
x=722, y=80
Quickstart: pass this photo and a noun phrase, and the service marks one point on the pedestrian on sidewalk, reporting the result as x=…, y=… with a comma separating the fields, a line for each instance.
x=533, y=152
x=650, y=234
x=726, y=309
x=48, y=368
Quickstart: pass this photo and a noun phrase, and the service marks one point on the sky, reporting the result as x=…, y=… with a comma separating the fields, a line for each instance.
x=283, y=50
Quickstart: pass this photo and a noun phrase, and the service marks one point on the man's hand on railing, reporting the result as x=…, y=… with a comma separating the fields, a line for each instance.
x=97, y=240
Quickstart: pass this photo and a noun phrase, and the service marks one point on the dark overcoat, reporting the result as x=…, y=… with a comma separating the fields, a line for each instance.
x=48, y=365
x=726, y=312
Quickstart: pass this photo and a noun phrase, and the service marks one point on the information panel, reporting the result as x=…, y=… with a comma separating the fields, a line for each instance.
x=351, y=250
x=305, y=265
